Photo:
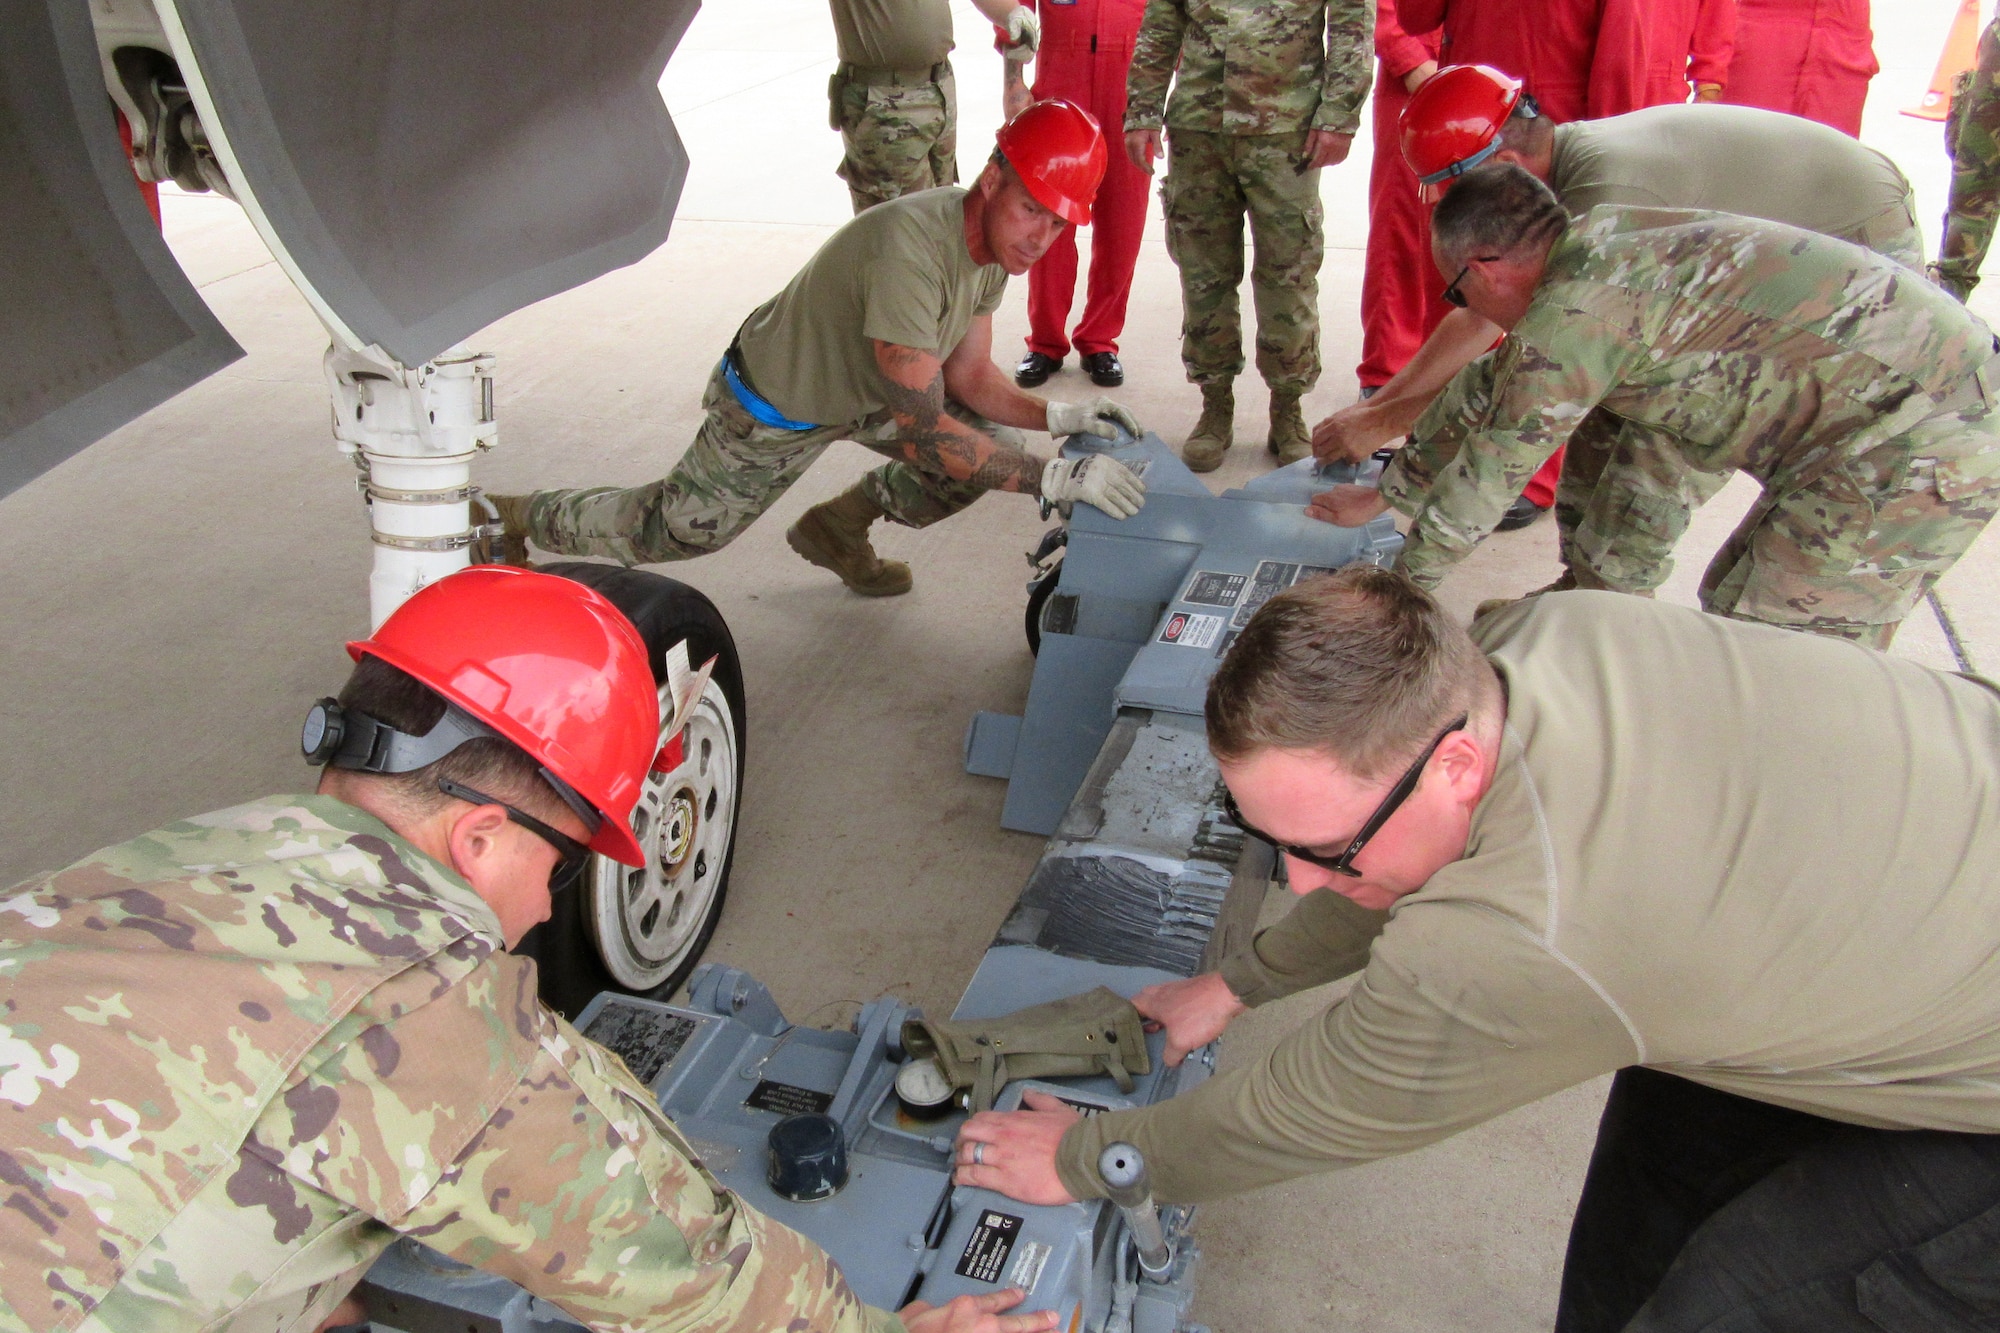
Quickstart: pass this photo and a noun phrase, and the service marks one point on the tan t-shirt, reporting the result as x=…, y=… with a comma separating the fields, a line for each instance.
x=1729, y=159
x=899, y=272
x=892, y=34
x=1762, y=860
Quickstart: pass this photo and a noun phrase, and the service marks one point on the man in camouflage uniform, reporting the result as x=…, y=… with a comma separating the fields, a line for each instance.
x=1858, y=397
x=1972, y=137
x=884, y=338
x=1724, y=159
x=1265, y=93
x=892, y=96
x=243, y=1053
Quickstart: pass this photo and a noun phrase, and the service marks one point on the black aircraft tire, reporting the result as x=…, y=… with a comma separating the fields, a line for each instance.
x=642, y=931
x=1039, y=593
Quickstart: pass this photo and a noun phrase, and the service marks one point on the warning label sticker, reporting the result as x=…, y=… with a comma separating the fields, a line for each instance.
x=644, y=1038
x=986, y=1250
x=1027, y=1269
x=787, y=1098
x=1084, y=1109
x=1311, y=572
x=1272, y=578
x=1191, y=631
x=1211, y=587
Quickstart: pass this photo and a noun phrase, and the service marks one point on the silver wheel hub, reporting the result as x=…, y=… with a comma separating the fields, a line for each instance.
x=647, y=919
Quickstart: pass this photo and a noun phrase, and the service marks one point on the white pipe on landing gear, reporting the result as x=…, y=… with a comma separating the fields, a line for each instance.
x=413, y=432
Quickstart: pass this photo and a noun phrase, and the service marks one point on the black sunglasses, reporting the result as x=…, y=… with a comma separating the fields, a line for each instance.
x=572, y=853
x=1452, y=295
x=1343, y=864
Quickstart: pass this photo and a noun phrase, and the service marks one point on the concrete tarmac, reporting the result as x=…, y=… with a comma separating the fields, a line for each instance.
x=181, y=590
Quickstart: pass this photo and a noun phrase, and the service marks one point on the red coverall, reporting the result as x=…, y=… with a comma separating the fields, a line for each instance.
x=1085, y=51
x=1689, y=41
x=1582, y=59
x=1812, y=58
x=1400, y=301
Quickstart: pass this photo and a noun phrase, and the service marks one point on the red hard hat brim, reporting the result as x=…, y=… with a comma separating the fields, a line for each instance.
x=1069, y=210
x=615, y=840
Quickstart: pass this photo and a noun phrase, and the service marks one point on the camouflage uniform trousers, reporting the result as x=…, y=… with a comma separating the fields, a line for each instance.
x=1847, y=552
x=1212, y=181
x=899, y=129
x=1850, y=552
x=735, y=470
x=1972, y=138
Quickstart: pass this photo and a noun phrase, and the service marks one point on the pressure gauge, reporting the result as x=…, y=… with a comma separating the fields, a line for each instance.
x=923, y=1090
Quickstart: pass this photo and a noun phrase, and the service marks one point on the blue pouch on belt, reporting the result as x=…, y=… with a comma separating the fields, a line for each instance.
x=754, y=403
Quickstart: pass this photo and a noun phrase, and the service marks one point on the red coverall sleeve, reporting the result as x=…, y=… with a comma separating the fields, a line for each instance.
x=1397, y=50
x=1714, y=42
x=1618, y=61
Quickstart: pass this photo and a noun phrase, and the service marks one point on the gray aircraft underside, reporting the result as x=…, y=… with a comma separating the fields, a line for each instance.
x=419, y=167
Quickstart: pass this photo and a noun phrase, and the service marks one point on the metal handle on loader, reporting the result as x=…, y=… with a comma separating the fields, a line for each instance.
x=1124, y=1172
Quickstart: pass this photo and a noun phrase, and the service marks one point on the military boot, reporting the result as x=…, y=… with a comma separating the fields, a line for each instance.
x=511, y=547
x=1289, y=440
x=834, y=536
x=1205, y=446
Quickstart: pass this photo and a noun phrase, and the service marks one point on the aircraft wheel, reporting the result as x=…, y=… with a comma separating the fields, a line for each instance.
x=641, y=930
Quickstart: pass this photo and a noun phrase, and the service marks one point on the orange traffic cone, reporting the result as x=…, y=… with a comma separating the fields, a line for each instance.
x=1961, y=52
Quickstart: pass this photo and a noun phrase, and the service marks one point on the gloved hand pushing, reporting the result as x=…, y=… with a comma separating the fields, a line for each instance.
x=1099, y=416
x=1098, y=480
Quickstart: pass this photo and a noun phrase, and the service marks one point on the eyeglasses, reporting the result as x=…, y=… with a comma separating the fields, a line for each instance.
x=571, y=853
x=1452, y=295
x=1343, y=864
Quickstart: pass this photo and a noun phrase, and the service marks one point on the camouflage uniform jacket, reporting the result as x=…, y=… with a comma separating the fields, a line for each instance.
x=1751, y=345
x=1252, y=66
x=240, y=1054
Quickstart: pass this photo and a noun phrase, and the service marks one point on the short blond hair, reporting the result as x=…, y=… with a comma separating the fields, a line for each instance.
x=1361, y=665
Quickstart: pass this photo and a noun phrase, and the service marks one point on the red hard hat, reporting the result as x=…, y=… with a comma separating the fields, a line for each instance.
x=1452, y=124
x=1058, y=152
x=547, y=663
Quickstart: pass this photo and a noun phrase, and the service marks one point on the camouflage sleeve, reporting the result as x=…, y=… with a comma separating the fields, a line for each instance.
x=1972, y=137
x=491, y=1130
x=1155, y=55
x=1538, y=397
x=1350, y=66
x=1460, y=409
x=582, y=1191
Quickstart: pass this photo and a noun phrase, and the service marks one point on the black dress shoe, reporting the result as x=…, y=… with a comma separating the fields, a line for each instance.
x=1520, y=514
x=1035, y=368
x=1103, y=368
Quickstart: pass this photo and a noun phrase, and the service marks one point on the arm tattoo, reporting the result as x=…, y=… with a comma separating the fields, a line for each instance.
x=939, y=443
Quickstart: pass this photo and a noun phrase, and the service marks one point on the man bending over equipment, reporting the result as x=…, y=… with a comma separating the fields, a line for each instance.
x=1753, y=872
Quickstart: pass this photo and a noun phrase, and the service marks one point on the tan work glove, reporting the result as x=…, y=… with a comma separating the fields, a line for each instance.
x=1097, y=480
x=1095, y=417
x=1023, y=35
